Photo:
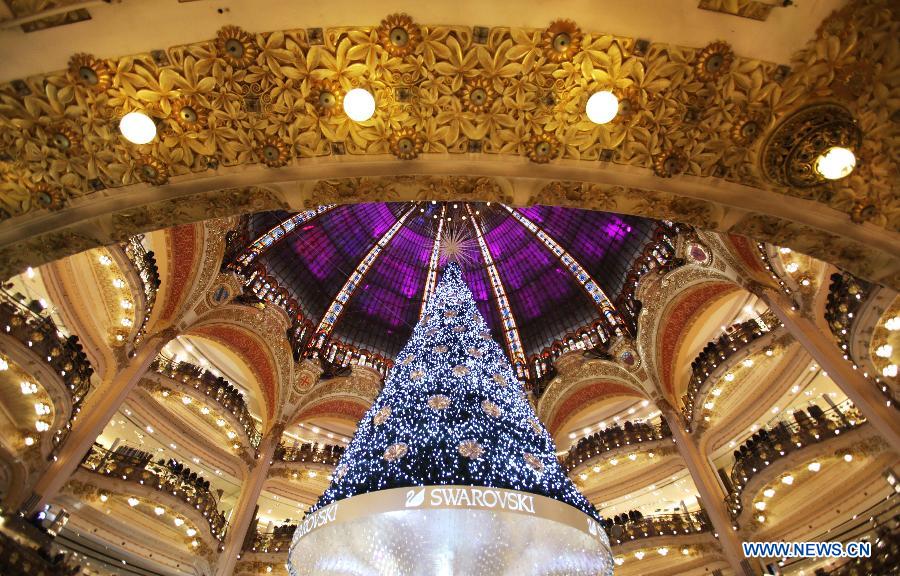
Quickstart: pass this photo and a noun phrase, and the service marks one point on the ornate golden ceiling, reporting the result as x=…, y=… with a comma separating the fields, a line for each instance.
x=275, y=99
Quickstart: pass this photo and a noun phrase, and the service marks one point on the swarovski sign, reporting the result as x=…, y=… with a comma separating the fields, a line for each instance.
x=470, y=497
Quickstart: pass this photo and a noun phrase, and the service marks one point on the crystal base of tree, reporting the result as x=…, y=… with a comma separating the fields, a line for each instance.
x=384, y=533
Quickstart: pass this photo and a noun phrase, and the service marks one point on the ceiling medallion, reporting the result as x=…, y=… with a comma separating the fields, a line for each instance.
x=64, y=138
x=491, y=409
x=395, y=451
x=382, y=415
x=273, y=153
x=189, y=114
x=235, y=46
x=542, y=148
x=90, y=72
x=746, y=129
x=534, y=462
x=399, y=35
x=326, y=97
x=406, y=143
x=478, y=94
x=44, y=196
x=438, y=402
x=470, y=449
x=668, y=164
x=629, y=103
x=561, y=40
x=152, y=171
x=790, y=153
x=714, y=61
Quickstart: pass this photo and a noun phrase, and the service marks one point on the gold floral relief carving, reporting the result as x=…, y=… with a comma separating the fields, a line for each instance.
x=244, y=98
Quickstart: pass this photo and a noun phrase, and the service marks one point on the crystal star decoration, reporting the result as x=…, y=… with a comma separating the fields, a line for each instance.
x=490, y=408
x=534, y=462
x=382, y=415
x=458, y=245
x=471, y=449
x=395, y=451
x=438, y=402
x=460, y=370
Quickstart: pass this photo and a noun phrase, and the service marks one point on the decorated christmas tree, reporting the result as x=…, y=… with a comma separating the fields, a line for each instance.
x=452, y=413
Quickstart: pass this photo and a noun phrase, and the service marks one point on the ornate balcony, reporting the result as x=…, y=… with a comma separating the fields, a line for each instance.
x=200, y=383
x=144, y=263
x=664, y=525
x=272, y=542
x=139, y=469
x=770, y=445
x=65, y=356
x=852, y=311
x=612, y=439
x=719, y=355
x=324, y=455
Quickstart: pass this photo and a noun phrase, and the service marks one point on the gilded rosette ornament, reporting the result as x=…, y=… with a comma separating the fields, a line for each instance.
x=274, y=153
x=746, y=129
x=64, y=138
x=542, y=148
x=668, y=164
x=399, y=35
x=382, y=416
x=326, y=97
x=478, y=94
x=534, y=462
x=152, y=171
x=45, y=196
x=90, y=72
x=406, y=143
x=713, y=62
x=236, y=47
x=189, y=114
x=561, y=40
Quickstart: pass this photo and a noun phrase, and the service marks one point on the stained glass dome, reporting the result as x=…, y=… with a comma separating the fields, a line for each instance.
x=354, y=277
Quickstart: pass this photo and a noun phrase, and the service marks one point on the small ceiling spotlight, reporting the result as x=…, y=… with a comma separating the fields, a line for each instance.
x=835, y=163
x=137, y=128
x=359, y=104
x=602, y=107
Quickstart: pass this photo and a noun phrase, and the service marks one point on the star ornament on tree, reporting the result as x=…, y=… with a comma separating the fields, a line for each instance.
x=458, y=245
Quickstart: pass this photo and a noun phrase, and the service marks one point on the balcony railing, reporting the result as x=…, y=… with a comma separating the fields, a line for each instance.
x=215, y=388
x=666, y=525
x=324, y=454
x=64, y=355
x=720, y=350
x=273, y=542
x=145, y=263
x=142, y=470
x=770, y=445
x=612, y=438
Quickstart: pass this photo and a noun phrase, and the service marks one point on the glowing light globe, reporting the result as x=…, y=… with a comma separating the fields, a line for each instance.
x=359, y=104
x=836, y=163
x=450, y=471
x=602, y=107
x=137, y=128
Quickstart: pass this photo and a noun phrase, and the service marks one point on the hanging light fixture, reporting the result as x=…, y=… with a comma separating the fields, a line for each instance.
x=835, y=163
x=137, y=128
x=359, y=104
x=602, y=107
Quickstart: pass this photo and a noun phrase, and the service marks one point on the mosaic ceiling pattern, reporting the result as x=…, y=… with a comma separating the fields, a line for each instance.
x=274, y=98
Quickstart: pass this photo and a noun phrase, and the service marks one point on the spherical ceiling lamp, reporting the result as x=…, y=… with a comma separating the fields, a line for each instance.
x=137, y=128
x=602, y=107
x=835, y=163
x=359, y=104
x=450, y=471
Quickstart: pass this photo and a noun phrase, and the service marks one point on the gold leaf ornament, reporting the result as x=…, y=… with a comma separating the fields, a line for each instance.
x=395, y=451
x=561, y=40
x=399, y=35
x=470, y=449
x=406, y=143
x=90, y=72
x=236, y=47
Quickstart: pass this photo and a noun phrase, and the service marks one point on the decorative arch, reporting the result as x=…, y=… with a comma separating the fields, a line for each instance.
x=585, y=396
x=346, y=409
x=253, y=350
x=679, y=315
